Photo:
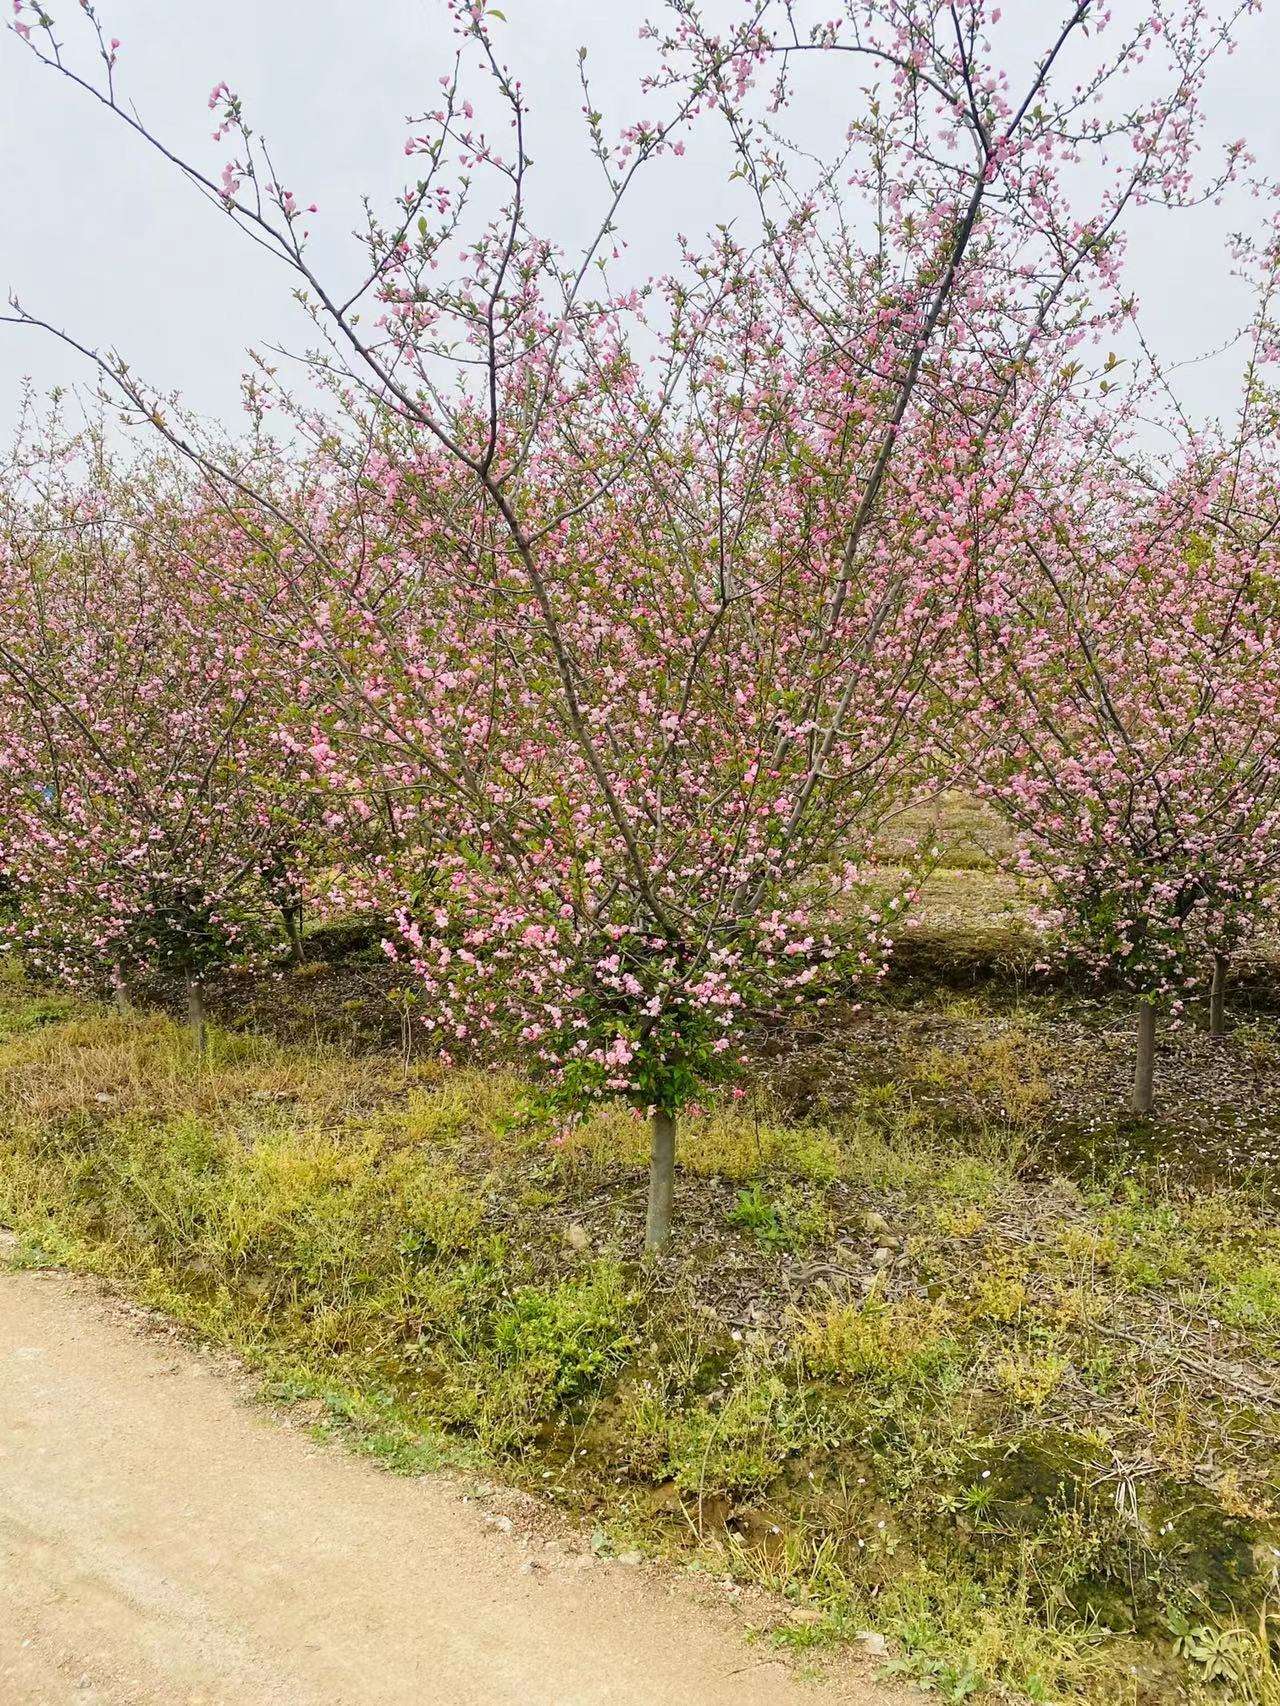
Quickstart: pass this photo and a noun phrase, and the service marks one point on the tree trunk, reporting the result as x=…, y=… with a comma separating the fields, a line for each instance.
x=1145, y=1067
x=1218, y=997
x=662, y=1179
x=119, y=991
x=195, y=1015
x=292, y=916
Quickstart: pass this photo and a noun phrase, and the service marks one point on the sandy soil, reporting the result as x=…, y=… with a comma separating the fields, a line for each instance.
x=161, y=1543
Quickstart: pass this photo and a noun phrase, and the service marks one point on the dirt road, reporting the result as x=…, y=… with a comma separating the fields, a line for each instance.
x=163, y=1543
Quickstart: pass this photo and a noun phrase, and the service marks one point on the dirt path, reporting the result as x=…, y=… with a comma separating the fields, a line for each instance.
x=162, y=1543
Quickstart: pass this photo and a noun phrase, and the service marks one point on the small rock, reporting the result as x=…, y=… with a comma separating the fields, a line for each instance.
x=873, y=1644
x=630, y=1558
x=8, y=1240
x=804, y=1615
x=881, y=1257
x=873, y=1222
x=502, y=1523
x=577, y=1237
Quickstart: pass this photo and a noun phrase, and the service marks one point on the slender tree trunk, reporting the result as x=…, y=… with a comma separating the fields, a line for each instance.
x=292, y=915
x=662, y=1179
x=196, y=1016
x=119, y=991
x=1145, y=1066
x=1218, y=996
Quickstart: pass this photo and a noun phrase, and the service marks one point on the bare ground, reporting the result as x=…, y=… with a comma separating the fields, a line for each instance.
x=161, y=1542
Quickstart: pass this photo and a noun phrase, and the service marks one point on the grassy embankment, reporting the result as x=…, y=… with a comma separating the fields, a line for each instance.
x=1018, y=1413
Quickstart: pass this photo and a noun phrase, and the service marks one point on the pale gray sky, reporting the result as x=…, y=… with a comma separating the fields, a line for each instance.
x=101, y=236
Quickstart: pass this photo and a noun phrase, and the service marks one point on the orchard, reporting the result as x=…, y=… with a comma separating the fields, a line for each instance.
x=656, y=588
x=644, y=662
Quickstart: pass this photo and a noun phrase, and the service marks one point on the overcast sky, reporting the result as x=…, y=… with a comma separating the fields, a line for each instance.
x=101, y=236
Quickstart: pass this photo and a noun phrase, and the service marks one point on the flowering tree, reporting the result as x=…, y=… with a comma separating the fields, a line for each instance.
x=150, y=820
x=676, y=548
x=1128, y=717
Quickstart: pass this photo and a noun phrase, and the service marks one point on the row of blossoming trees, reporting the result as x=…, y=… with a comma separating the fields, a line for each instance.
x=591, y=630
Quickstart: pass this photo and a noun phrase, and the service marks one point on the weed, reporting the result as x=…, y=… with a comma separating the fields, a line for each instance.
x=1258, y=1045
x=955, y=1222
x=1249, y=1294
x=999, y=1296
x=885, y=1343
x=786, y=1220
x=569, y=1336
x=974, y=1459
x=742, y=1445
x=1031, y=1377
x=1003, y=1072
x=1218, y=1655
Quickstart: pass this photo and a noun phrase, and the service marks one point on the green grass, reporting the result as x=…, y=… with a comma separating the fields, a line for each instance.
x=780, y=1220
x=1010, y=1422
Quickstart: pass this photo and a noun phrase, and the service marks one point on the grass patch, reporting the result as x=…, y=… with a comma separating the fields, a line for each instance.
x=781, y=1220
x=1026, y=1428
